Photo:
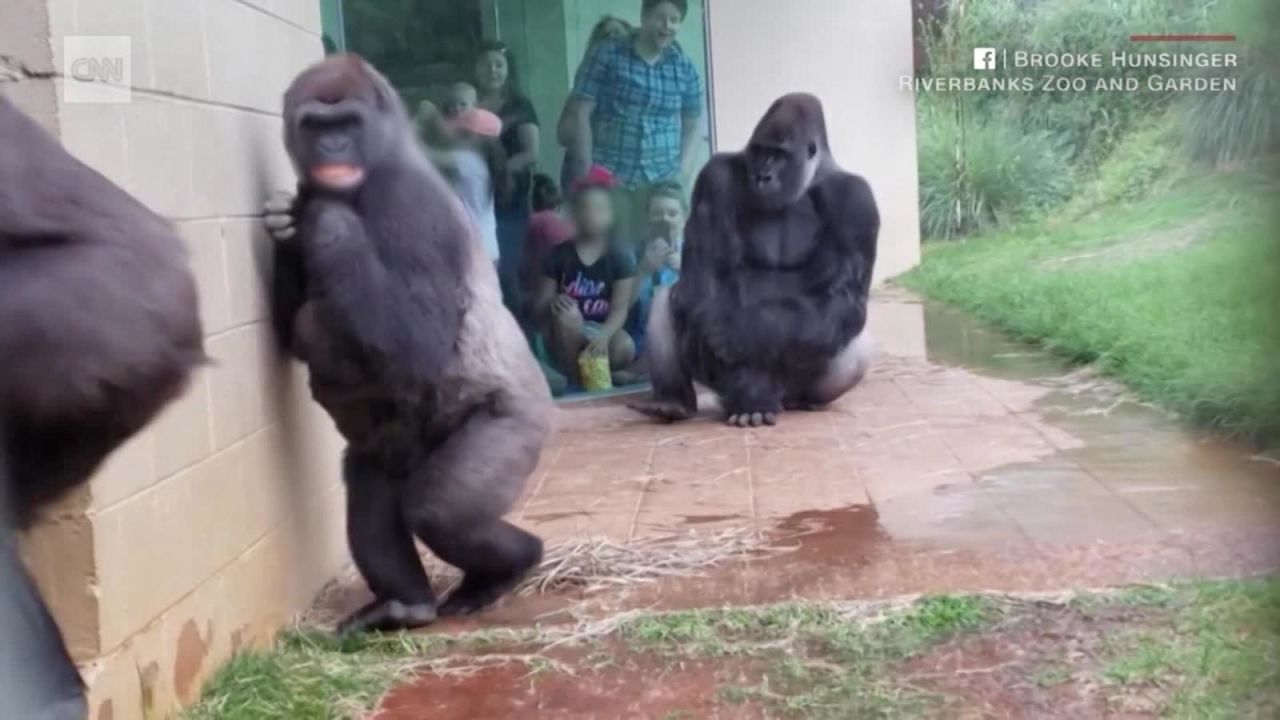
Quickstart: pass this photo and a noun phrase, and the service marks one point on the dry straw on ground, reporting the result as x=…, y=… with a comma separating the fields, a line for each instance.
x=583, y=566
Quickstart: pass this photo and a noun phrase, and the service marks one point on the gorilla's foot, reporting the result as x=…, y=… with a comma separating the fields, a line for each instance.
x=478, y=592
x=753, y=419
x=664, y=410
x=387, y=616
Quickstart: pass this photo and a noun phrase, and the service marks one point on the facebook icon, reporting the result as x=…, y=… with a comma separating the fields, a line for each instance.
x=984, y=58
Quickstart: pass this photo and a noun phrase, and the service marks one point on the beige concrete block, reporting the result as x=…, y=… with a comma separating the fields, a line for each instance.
x=302, y=13
x=297, y=49
x=315, y=545
x=24, y=35
x=166, y=663
x=59, y=554
x=120, y=17
x=156, y=546
x=272, y=166
x=62, y=22
x=158, y=134
x=183, y=431
x=247, y=248
x=204, y=242
x=268, y=478
x=131, y=468
x=177, y=37
x=237, y=77
x=222, y=163
x=95, y=134
x=36, y=98
x=238, y=406
x=238, y=162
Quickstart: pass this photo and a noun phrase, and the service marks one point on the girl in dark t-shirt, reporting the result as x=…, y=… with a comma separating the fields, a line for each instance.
x=586, y=288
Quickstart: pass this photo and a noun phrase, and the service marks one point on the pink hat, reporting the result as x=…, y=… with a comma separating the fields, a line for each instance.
x=597, y=177
x=479, y=121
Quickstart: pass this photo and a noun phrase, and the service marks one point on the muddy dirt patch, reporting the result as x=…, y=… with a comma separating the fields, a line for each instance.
x=1049, y=663
x=612, y=682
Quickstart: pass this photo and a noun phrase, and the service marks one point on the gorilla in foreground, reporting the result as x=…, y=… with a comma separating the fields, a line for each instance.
x=99, y=330
x=771, y=305
x=383, y=289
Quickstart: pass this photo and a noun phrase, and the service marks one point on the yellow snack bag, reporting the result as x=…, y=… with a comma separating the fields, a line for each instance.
x=595, y=372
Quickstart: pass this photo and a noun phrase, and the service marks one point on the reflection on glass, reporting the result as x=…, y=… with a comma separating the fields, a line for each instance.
x=586, y=222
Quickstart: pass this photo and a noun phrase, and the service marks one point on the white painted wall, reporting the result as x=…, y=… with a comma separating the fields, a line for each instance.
x=851, y=54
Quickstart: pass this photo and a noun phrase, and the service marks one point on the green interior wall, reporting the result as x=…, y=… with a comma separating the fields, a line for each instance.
x=331, y=23
x=534, y=30
x=549, y=39
x=424, y=44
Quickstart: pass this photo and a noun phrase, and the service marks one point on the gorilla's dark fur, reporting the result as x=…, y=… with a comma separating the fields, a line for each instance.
x=387, y=295
x=99, y=330
x=771, y=304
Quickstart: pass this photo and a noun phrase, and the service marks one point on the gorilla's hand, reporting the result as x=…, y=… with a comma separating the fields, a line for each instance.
x=331, y=230
x=278, y=216
x=718, y=334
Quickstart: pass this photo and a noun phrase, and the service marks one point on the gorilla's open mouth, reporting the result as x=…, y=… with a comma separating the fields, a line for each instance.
x=338, y=176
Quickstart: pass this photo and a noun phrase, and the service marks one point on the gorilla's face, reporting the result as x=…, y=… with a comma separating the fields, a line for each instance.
x=334, y=144
x=779, y=172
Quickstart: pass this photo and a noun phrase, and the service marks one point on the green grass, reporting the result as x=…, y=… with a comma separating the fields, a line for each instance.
x=819, y=662
x=1202, y=650
x=1175, y=294
x=1219, y=657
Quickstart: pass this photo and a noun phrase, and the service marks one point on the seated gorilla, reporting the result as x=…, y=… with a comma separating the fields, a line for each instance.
x=771, y=304
x=385, y=292
x=99, y=330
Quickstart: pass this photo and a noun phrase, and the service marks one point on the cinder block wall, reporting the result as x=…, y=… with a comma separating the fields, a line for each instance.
x=207, y=531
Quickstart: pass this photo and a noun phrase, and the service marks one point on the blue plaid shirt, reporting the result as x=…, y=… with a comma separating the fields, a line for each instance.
x=636, y=125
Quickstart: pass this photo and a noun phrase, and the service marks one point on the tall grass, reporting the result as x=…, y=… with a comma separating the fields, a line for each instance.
x=1088, y=124
x=1146, y=162
x=991, y=157
x=1230, y=128
x=1003, y=173
x=1174, y=294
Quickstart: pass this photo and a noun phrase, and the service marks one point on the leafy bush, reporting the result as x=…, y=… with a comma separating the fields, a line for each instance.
x=1005, y=173
x=1088, y=123
x=1146, y=161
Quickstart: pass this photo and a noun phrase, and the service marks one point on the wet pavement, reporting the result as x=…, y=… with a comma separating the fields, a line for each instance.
x=964, y=462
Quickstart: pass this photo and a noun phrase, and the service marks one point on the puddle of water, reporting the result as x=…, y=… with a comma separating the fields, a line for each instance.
x=1128, y=447
x=824, y=554
x=709, y=519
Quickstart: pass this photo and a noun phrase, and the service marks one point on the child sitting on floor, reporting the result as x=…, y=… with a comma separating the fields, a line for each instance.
x=586, y=287
x=659, y=264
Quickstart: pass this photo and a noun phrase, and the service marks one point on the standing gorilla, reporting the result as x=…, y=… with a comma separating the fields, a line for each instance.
x=387, y=295
x=99, y=330
x=771, y=304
